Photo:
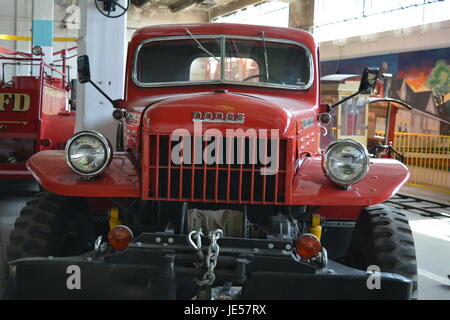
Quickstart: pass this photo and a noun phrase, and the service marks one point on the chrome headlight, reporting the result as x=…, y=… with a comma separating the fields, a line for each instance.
x=88, y=153
x=346, y=162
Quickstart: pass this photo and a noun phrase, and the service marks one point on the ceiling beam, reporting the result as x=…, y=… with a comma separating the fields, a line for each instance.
x=301, y=14
x=183, y=4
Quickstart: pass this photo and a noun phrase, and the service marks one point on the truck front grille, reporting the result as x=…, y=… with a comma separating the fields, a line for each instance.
x=236, y=181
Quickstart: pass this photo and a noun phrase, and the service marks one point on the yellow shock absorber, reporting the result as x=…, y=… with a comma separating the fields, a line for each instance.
x=114, y=219
x=316, y=228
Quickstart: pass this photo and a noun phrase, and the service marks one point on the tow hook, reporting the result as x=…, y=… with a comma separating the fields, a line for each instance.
x=209, y=277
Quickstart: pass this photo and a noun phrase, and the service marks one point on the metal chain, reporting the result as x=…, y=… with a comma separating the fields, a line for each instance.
x=197, y=236
x=213, y=253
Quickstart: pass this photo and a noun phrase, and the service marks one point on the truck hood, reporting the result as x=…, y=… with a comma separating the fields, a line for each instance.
x=165, y=114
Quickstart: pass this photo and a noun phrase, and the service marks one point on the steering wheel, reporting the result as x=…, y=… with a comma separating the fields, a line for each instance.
x=110, y=6
x=252, y=77
x=262, y=75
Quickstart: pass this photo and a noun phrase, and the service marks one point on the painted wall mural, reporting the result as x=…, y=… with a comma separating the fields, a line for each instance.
x=421, y=78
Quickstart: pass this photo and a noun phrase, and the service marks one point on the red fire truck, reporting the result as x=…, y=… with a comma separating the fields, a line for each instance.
x=218, y=187
x=35, y=113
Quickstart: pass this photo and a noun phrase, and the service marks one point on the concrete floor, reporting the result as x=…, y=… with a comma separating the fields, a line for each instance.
x=426, y=194
x=432, y=238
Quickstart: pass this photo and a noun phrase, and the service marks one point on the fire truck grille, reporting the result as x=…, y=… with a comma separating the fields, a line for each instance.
x=254, y=175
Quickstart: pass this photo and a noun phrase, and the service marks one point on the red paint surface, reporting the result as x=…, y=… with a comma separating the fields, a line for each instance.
x=52, y=172
x=312, y=187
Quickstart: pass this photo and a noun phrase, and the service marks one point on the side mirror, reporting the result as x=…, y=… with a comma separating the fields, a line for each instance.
x=84, y=73
x=368, y=80
x=366, y=86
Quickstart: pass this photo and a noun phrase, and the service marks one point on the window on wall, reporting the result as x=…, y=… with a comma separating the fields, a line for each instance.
x=347, y=18
x=270, y=13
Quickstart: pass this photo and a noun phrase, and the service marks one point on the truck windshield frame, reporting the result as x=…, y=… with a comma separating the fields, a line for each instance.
x=223, y=41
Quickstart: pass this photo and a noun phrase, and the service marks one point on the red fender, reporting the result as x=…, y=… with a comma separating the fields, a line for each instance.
x=50, y=169
x=312, y=187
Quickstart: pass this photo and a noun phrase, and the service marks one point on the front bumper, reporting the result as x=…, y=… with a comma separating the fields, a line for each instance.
x=160, y=266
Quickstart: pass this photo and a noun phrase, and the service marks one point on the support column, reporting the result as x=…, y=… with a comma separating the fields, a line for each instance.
x=42, y=27
x=23, y=12
x=301, y=15
x=23, y=26
x=104, y=41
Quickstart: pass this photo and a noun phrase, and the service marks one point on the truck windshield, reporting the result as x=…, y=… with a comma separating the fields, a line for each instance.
x=247, y=61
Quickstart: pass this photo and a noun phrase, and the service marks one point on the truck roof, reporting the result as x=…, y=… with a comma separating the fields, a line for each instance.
x=224, y=28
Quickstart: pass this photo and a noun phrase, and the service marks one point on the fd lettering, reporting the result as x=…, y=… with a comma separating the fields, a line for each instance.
x=16, y=102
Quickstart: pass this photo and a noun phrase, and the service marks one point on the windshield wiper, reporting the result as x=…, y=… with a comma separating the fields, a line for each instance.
x=199, y=45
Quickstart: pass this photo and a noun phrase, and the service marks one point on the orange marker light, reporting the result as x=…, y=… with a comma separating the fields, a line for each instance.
x=308, y=246
x=119, y=237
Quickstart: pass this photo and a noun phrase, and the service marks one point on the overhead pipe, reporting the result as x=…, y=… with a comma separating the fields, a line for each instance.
x=140, y=3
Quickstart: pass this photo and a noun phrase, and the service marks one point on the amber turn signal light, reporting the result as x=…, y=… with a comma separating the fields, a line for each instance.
x=308, y=246
x=119, y=237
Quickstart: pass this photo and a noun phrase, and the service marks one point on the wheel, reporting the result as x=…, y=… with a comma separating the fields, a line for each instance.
x=252, y=77
x=262, y=75
x=3, y=281
x=382, y=237
x=3, y=284
x=41, y=188
x=51, y=225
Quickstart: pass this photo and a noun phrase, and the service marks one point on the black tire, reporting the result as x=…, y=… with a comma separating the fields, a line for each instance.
x=51, y=225
x=3, y=284
x=382, y=236
x=3, y=275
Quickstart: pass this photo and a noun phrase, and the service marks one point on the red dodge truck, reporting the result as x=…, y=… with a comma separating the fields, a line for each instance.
x=217, y=188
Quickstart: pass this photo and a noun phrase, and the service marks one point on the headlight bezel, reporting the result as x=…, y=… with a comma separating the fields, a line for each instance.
x=103, y=140
x=342, y=142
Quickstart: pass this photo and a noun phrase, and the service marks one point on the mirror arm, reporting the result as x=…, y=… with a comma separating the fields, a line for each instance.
x=345, y=99
x=102, y=92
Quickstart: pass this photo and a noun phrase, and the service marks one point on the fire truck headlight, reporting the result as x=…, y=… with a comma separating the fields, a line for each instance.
x=346, y=162
x=88, y=153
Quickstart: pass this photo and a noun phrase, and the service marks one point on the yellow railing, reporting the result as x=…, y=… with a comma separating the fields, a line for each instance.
x=380, y=133
x=427, y=157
